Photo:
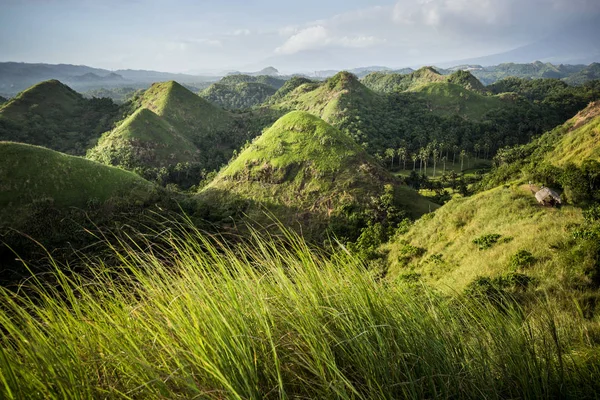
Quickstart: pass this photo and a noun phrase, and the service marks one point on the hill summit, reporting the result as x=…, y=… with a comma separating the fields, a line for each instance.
x=53, y=115
x=307, y=172
x=169, y=125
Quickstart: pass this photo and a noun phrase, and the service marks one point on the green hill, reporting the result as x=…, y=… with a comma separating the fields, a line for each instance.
x=30, y=174
x=238, y=96
x=577, y=140
x=305, y=171
x=144, y=140
x=440, y=250
x=392, y=83
x=288, y=87
x=589, y=73
x=180, y=127
x=448, y=98
x=53, y=115
x=3, y=100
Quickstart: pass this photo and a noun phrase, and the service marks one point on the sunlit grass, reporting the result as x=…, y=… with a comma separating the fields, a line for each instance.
x=187, y=316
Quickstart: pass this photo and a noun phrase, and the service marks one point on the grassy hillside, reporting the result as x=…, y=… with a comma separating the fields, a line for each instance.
x=144, y=140
x=306, y=171
x=440, y=249
x=53, y=115
x=577, y=141
x=238, y=96
x=30, y=173
x=180, y=131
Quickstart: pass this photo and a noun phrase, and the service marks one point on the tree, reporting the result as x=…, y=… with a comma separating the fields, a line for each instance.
x=414, y=158
x=435, y=158
x=463, y=154
x=390, y=153
x=402, y=156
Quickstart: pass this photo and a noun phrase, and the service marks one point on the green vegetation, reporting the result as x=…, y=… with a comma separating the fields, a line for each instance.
x=589, y=73
x=239, y=96
x=177, y=136
x=143, y=140
x=384, y=82
x=503, y=221
x=272, y=318
x=30, y=173
x=119, y=95
x=3, y=100
x=304, y=170
x=52, y=115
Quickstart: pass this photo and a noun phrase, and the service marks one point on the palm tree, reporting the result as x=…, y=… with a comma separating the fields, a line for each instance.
x=435, y=158
x=390, y=153
x=402, y=156
x=414, y=158
x=463, y=154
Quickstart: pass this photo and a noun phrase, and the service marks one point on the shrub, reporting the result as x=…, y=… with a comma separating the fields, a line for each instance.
x=486, y=241
x=522, y=258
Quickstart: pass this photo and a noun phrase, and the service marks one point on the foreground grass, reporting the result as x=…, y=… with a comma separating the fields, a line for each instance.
x=188, y=318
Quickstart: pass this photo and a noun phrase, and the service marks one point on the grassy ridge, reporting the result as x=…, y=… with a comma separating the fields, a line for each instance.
x=578, y=140
x=29, y=173
x=441, y=249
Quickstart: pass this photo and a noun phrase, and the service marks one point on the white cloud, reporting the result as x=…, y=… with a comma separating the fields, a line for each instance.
x=242, y=32
x=317, y=37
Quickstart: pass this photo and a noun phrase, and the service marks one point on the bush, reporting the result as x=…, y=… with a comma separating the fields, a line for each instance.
x=522, y=258
x=486, y=241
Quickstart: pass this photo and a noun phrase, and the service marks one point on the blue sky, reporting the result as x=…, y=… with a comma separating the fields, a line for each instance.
x=201, y=36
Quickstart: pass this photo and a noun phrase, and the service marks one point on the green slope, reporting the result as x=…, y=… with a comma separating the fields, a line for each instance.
x=3, y=100
x=179, y=127
x=589, y=73
x=53, y=115
x=271, y=81
x=577, y=140
x=143, y=140
x=441, y=250
x=192, y=116
x=307, y=172
x=31, y=173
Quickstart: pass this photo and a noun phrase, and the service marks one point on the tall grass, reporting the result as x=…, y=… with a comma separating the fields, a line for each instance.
x=186, y=316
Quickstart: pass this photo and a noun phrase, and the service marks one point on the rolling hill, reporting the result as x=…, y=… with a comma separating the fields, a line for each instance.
x=52, y=115
x=144, y=140
x=178, y=126
x=307, y=173
x=30, y=174
x=481, y=236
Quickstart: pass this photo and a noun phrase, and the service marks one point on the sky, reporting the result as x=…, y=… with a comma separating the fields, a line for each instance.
x=215, y=36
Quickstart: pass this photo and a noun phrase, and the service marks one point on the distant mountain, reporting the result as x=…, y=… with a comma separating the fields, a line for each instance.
x=589, y=73
x=16, y=77
x=307, y=173
x=53, y=115
x=576, y=44
x=269, y=71
x=90, y=77
x=3, y=100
